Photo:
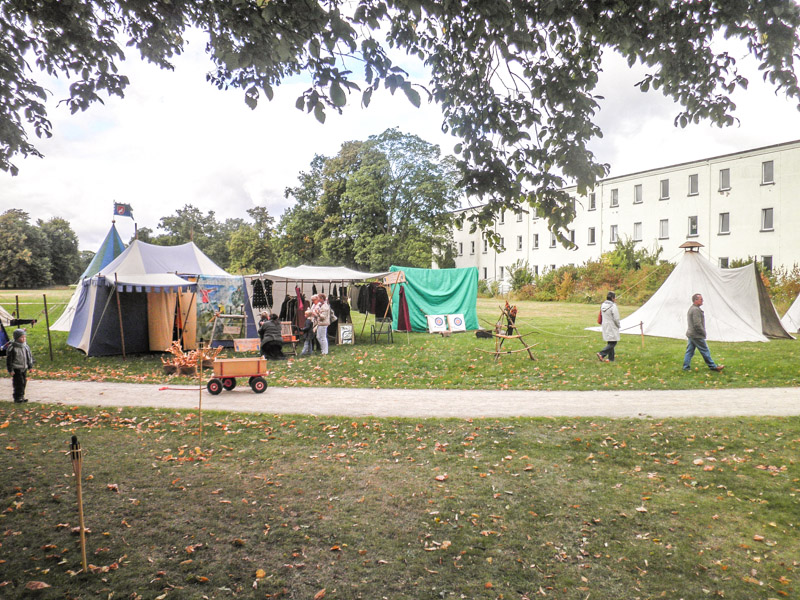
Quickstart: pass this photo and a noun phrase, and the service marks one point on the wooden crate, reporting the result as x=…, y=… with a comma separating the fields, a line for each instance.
x=239, y=367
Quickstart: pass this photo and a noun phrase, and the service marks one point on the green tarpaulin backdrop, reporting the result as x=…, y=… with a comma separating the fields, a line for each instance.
x=438, y=292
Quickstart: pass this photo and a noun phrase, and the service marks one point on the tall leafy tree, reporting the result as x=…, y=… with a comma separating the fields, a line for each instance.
x=296, y=241
x=387, y=200
x=62, y=248
x=24, y=259
x=251, y=246
x=516, y=79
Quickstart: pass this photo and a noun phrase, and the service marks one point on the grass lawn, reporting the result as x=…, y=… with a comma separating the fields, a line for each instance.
x=306, y=507
x=565, y=355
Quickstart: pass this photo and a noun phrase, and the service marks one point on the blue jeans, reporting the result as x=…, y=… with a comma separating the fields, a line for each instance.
x=322, y=337
x=701, y=345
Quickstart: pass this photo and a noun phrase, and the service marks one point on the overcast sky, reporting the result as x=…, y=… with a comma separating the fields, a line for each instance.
x=176, y=140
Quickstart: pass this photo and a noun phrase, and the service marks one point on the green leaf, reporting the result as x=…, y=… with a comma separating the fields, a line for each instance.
x=366, y=97
x=337, y=95
x=319, y=112
x=412, y=95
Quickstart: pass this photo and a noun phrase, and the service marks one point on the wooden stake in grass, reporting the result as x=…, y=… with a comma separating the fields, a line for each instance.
x=200, y=358
x=77, y=461
x=47, y=322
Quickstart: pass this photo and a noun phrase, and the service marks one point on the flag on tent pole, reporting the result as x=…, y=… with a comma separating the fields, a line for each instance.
x=123, y=210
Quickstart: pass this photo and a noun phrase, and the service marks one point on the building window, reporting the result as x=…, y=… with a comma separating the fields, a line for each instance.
x=692, y=227
x=614, y=236
x=694, y=185
x=535, y=241
x=472, y=247
x=485, y=246
x=723, y=262
x=502, y=244
x=519, y=217
x=637, y=232
x=502, y=272
x=724, y=223
x=553, y=240
x=614, y=197
x=591, y=236
x=767, y=172
x=572, y=236
x=535, y=269
x=485, y=273
x=461, y=248
x=552, y=267
x=766, y=219
x=637, y=193
x=766, y=263
x=519, y=242
x=724, y=179
x=664, y=187
x=663, y=229
x=502, y=217
x=592, y=201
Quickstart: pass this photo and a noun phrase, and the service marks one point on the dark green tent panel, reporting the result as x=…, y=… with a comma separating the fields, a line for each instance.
x=437, y=292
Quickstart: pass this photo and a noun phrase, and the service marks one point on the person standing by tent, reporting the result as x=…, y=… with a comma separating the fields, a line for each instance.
x=610, y=317
x=18, y=360
x=322, y=314
x=696, y=333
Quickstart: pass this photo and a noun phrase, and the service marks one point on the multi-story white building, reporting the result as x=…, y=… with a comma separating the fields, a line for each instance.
x=738, y=205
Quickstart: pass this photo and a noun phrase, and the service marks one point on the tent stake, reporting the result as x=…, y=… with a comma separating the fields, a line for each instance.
x=119, y=312
x=76, y=454
x=47, y=322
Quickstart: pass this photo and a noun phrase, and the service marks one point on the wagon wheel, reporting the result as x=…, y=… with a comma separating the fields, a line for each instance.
x=229, y=383
x=258, y=384
x=214, y=386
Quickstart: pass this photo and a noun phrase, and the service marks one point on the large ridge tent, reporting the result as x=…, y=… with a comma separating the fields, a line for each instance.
x=437, y=292
x=110, y=249
x=736, y=304
x=5, y=316
x=150, y=295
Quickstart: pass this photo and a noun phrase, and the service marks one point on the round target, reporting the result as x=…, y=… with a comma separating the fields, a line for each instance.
x=458, y=321
x=438, y=321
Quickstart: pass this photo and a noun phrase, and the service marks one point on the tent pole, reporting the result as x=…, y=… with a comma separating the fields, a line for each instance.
x=186, y=320
x=17, y=315
x=119, y=312
x=47, y=322
x=641, y=328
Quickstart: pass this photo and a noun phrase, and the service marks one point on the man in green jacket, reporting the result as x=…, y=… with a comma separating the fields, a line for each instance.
x=696, y=333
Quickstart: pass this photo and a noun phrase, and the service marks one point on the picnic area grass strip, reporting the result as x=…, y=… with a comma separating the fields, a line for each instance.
x=564, y=351
x=275, y=506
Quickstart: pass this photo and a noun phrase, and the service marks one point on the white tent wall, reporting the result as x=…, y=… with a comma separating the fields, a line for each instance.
x=5, y=317
x=734, y=310
x=791, y=320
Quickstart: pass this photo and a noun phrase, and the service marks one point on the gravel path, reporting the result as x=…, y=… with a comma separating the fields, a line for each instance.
x=424, y=403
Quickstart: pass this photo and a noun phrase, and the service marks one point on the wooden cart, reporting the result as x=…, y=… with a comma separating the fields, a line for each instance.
x=226, y=370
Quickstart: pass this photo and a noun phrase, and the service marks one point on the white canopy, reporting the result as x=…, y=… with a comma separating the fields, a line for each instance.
x=319, y=274
x=736, y=304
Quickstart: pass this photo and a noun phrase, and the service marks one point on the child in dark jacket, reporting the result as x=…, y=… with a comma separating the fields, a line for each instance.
x=308, y=334
x=18, y=360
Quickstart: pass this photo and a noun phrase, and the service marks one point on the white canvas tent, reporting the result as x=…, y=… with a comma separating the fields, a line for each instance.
x=736, y=304
x=791, y=320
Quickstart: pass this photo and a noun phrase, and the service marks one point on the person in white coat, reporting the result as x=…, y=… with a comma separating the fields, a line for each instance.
x=610, y=315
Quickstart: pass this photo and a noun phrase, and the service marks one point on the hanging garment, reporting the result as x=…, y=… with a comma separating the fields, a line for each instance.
x=268, y=291
x=259, y=296
x=403, y=318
